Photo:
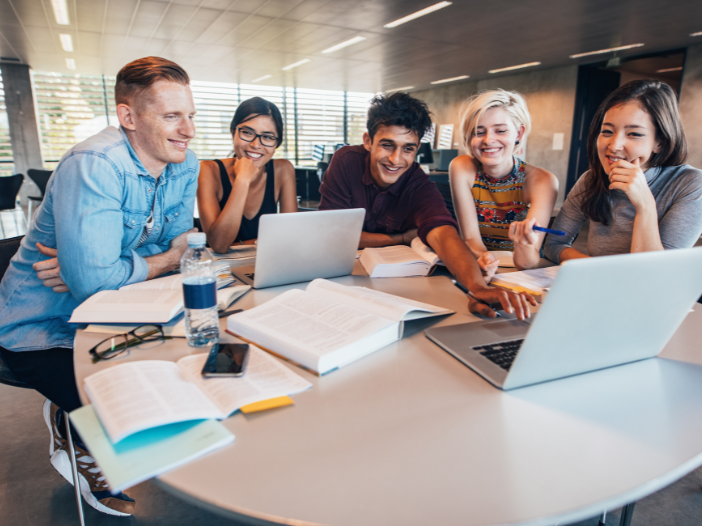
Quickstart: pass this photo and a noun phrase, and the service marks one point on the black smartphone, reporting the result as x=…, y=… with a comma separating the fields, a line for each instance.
x=227, y=359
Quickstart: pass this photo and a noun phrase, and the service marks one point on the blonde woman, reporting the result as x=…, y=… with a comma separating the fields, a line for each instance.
x=499, y=198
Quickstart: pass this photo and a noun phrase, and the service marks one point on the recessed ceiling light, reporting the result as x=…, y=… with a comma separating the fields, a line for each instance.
x=679, y=68
x=520, y=66
x=698, y=34
x=423, y=12
x=60, y=12
x=608, y=50
x=264, y=77
x=347, y=43
x=451, y=79
x=66, y=42
x=70, y=63
x=300, y=63
x=406, y=88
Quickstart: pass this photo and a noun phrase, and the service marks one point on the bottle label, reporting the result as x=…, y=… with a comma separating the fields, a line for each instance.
x=200, y=296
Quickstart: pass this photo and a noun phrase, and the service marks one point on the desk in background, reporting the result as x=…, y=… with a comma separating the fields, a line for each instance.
x=410, y=436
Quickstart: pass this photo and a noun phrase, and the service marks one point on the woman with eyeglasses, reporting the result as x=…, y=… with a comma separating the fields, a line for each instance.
x=234, y=193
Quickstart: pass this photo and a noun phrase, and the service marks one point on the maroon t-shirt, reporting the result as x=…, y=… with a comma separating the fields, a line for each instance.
x=413, y=201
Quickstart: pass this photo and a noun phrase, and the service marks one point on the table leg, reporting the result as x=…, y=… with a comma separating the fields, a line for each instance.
x=74, y=468
x=627, y=514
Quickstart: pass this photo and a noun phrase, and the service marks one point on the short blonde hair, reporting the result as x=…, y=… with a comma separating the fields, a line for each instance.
x=474, y=107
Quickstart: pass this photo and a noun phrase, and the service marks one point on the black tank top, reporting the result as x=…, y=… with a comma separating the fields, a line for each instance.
x=249, y=227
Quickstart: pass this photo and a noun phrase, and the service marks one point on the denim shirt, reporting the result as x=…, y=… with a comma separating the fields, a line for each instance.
x=96, y=205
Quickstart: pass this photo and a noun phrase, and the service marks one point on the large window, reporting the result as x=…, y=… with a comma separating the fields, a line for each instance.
x=73, y=107
x=6, y=164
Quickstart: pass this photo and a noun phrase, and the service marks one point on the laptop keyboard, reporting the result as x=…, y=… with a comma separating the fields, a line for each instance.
x=502, y=353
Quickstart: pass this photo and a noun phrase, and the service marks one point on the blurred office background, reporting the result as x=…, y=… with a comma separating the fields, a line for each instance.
x=321, y=61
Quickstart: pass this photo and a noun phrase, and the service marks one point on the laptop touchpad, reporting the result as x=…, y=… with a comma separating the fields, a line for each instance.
x=507, y=328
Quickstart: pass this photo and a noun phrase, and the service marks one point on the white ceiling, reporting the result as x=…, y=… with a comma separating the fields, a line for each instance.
x=242, y=40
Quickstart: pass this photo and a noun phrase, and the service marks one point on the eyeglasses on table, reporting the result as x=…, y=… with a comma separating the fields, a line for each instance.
x=115, y=345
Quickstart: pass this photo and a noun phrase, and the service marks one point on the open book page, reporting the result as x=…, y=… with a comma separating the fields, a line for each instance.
x=388, y=306
x=135, y=396
x=265, y=378
x=129, y=306
x=398, y=254
x=313, y=324
x=425, y=252
x=536, y=279
x=175, y=281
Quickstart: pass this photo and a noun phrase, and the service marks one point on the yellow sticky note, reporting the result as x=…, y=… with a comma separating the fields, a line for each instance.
x=271, y=403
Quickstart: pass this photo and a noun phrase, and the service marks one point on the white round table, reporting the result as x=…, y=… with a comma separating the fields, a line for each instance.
x=408, y=435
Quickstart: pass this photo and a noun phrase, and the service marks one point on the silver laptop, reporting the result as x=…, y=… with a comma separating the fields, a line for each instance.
x=304, y=246
x=600, y=312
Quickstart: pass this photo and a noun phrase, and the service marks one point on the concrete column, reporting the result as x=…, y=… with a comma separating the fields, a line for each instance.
x=691, y=104
x=22, y=118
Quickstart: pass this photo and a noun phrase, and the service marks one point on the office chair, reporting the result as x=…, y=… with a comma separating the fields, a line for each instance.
x=9, y=189
x=40, y=178
x=321, y=170
x=8, y=248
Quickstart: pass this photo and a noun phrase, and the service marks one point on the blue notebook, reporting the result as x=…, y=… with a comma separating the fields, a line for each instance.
x=148, y=453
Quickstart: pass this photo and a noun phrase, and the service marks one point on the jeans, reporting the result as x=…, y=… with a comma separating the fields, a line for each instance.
x=49, y=371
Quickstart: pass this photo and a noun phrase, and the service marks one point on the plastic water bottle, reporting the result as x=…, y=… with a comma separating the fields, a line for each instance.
x=197, y=266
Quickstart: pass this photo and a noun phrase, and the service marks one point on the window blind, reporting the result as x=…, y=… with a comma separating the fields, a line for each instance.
x=6, y=163
x=71, y=108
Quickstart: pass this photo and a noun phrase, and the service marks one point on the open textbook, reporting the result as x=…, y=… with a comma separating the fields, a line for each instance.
x=141, y=395
x=328, y=325
x=400, y=261
x=150, y=453
x=238, y=256
x=536, y=281
x=153, y=301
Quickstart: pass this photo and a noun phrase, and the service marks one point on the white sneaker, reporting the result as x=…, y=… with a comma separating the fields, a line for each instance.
x=96, y=492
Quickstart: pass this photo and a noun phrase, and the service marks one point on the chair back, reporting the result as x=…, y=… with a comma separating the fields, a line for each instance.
x=9, y=188
x=8, y=248
x=445, y=191
x=40, y=178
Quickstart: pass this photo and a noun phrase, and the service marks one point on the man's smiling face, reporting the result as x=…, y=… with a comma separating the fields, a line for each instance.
x=392, y=152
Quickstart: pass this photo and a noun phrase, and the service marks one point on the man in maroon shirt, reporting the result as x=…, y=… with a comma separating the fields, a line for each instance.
x=400, y=201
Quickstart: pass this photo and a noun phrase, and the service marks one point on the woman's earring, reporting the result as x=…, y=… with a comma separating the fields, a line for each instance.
x=516, y=142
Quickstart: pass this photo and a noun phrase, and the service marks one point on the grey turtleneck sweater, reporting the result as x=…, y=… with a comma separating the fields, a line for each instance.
x=678, y=194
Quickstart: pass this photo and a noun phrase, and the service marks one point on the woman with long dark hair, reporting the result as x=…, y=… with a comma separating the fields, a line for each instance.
x=233, y=193
x=638, y=194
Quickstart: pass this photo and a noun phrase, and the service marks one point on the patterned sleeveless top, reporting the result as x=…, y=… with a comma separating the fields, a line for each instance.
x=498, y=202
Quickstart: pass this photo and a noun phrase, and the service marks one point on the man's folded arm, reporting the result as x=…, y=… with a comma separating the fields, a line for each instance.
x=87, y=205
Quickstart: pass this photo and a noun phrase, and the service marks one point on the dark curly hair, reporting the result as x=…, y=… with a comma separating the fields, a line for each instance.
x=659, y=101
x=398, y=109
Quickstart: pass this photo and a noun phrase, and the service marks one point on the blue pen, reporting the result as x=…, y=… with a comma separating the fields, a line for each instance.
x=549, y=231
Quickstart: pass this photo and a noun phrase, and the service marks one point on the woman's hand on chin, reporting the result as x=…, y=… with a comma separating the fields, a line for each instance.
x=245, y=170
x=630, y=179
